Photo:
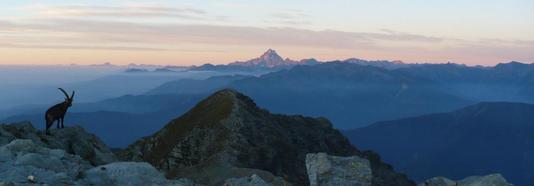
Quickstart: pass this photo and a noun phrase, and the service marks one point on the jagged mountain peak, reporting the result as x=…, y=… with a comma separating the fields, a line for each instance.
x=269, y=59
x=270, y=54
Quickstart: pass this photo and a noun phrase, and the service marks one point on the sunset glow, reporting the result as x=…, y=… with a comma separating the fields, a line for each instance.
x=198, y=32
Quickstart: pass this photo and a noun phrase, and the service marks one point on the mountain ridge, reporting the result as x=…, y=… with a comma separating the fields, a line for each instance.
x=227, y=131
x=483, y=138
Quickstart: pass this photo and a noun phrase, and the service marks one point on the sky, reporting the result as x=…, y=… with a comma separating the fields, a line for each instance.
x=194, y=32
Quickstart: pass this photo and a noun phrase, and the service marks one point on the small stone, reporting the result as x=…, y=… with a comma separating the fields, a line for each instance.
x=31, y=179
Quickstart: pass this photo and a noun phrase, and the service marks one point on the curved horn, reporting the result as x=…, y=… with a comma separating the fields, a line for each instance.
x=72, y=96
x=64, y=92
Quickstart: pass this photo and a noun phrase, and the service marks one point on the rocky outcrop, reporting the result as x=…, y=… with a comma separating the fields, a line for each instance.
x=332, y=170
x=228, y=136
x=24, y=162
x=253, y=180
x=488, y=180
x=74, y=140
x=128, y=173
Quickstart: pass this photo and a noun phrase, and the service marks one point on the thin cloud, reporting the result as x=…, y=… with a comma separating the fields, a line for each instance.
x=122, y=35
x=148, y=11
x=216, y=34
x=290, y=17
x=126, y=48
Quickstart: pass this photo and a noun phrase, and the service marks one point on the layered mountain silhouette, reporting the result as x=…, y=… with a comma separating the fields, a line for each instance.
x=484, y=138
x=351, y=95
x=227, y=135
x=503, y=82
x=195, y=86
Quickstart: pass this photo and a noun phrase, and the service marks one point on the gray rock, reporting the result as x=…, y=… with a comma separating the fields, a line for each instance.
x=253, y=180
x=6, y=183
x=488, y=180
x=29, y=160
x=333, y=170
x=22, y=159
x=438, y=181
x=74, y=140
x=127, y=173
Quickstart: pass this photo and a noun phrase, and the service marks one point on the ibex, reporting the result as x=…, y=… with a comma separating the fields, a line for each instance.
x=58, y=111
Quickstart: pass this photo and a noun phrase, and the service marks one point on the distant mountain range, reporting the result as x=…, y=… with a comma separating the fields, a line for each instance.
x=193, y=86
x=350, y=94
x=353, y=94
x=480, y=139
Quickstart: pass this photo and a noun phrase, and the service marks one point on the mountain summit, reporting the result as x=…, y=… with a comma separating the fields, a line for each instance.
x=271, y=56
x=269, y=59
x=227, y=135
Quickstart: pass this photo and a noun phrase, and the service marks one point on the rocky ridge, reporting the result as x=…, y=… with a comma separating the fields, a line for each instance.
x=227, y=135
x=73, y=140
x=68, y=157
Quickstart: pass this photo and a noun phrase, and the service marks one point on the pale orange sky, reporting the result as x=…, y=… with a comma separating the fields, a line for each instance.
x=198, y=32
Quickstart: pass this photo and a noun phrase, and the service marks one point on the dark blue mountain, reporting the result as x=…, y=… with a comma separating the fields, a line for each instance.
x=485, y=138
x=503, y=82
x=140, y=103
x=351, y=95
x=194, y=86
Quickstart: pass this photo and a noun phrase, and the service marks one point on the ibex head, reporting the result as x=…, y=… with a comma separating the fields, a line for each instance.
x=68, y=100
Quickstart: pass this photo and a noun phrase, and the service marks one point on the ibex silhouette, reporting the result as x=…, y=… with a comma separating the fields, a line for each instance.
x=58, y=111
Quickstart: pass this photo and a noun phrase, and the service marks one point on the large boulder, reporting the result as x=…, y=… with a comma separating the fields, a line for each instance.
x=488, y=180
x=24, y=162
x=74, y=140
x=253, y=180
x=127, y=173
x=439, y=181
x=333, y=170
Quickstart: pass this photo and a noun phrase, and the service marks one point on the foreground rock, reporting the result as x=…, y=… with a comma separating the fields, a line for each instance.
x=127, y=173
x=332, y=170
x=228, y=136
x=74, y=140
x=23, y=159
x=489, y=180
x=253, y=180
x=22, y=162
